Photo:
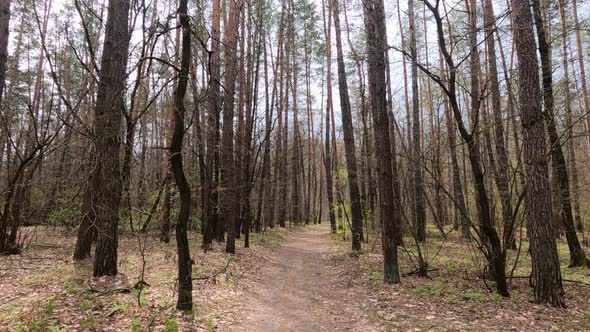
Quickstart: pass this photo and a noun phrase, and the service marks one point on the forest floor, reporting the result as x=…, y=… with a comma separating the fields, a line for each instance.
x=302, y=279
x=301, y=289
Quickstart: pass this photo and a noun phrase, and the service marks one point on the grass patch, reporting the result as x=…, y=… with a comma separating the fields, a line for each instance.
x=201, y=271
x=171, y=325
x=451, y=300
x=85, y=305
x=269, y=238
x=40, y=324
x=435, y=289
x=136, y=326
x=471, y=294
x=376, y=275
x=121, y=307
x=92, y=321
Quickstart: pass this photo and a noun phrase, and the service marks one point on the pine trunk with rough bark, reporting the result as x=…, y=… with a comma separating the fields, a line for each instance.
x=577, y=256
x=349, y=143
x=229, y=173
x=108, y=112
x=210, y=185
x=546, y=273
x=376, y=44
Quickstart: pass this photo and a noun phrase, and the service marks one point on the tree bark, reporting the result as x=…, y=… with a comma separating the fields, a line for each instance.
x=577, y=256
x=210, y=185
x=328, y=146
x=491, y=244
x=568, y=117
x=349, y=144
x=376, y=43
x=546, y=274
x=4, y=31
x=228, y=200
x=109, y=110
x=185, y=282
x=417, y=185
x=502, y=174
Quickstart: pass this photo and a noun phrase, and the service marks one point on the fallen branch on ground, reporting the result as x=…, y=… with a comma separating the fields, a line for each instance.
x=216, y=273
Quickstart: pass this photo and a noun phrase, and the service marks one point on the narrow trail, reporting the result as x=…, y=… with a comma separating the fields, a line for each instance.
x=299, y=290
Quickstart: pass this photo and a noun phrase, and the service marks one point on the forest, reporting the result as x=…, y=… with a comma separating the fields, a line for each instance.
x=294, y=165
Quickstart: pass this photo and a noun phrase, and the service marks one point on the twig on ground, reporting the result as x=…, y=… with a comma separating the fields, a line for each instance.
x=216, y=273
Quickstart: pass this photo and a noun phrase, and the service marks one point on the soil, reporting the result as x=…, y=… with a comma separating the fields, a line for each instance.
x=301, y=290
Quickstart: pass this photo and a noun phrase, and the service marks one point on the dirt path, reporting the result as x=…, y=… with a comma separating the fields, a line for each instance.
x=299, y=290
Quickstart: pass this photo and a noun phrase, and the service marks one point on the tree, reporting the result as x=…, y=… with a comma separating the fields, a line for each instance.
x=349, y=145
x=329, y=109
x=490, y=242
x=212, y=120
x=110, y=106
x=568, y=117
x=185, y=281
x=577, y=256
x=546, y=274
x=376, y=44
x=580, y=49
x=228, y=200
x=417, y=185
x=4, y=31
x=502, y=169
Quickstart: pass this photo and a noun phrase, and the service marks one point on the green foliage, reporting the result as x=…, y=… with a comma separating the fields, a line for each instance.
x=267, y=239
x=171, y=325
x=10, y=307
x=201, y=271
x=120, y=307
x=136, y=326
x=435, y=289
x=376, y=275
x=40, y=324
x=451, y=300
x=135, y=293
x=210, y=325
x=64, y=214
x=92, y=321
x=586, y=319
x=50, y=305
x=33, y=279
x=471, y=294
x=85, y=305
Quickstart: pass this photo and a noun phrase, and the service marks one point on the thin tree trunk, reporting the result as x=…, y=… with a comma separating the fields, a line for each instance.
x=491, y=244
x=349, y=144
x=416, y=165
x=582, y=66
x=328, y=147
x=502, y=175
x=185, y=282
x=568, y=118
x=4, y=31
x=210, y=192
